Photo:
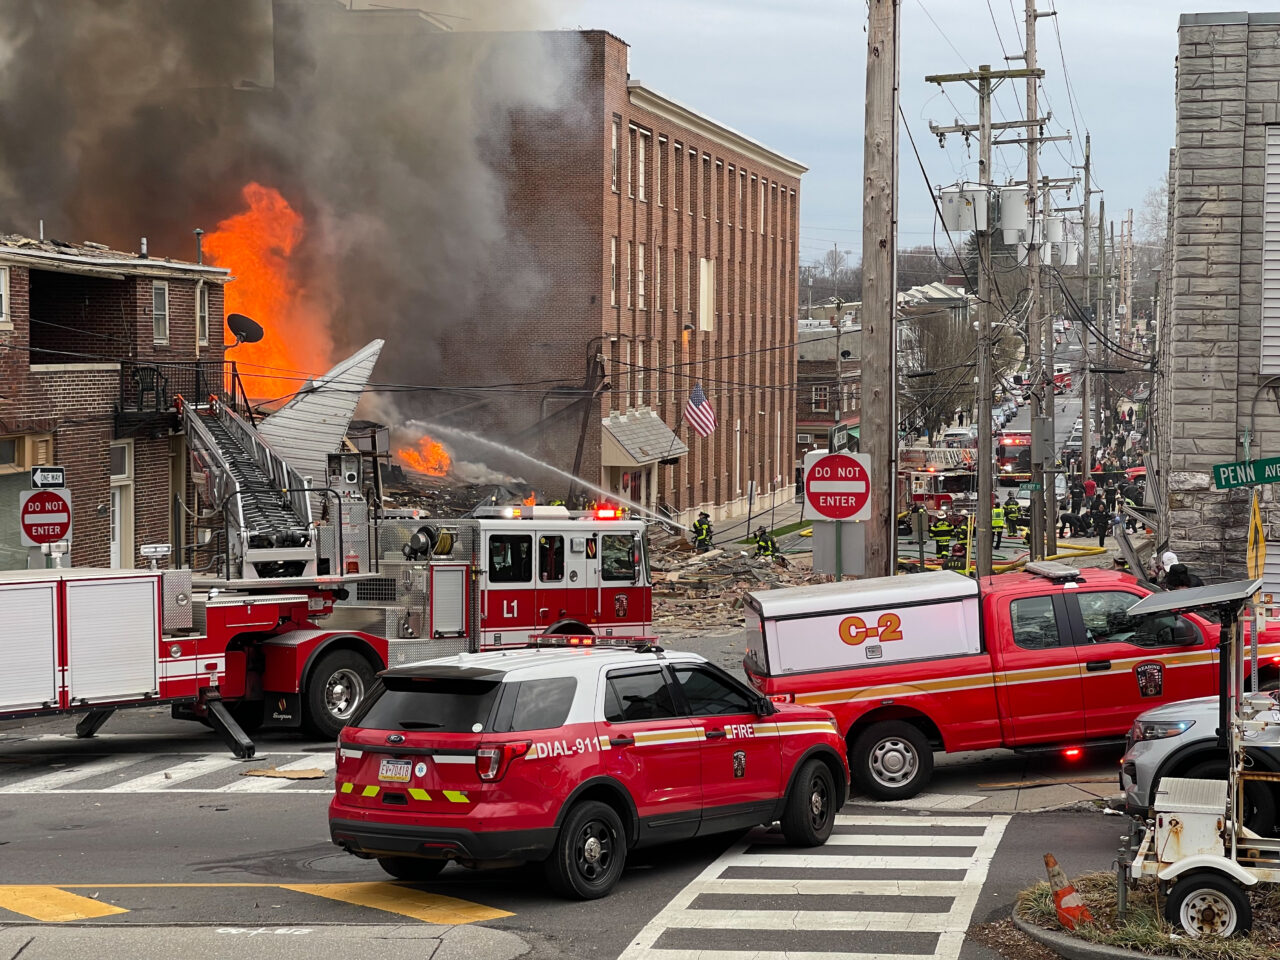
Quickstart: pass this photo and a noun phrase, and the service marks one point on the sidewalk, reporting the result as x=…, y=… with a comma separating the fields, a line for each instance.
x=738, y=526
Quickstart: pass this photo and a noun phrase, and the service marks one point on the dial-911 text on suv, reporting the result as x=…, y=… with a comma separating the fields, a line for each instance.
x=572, y=756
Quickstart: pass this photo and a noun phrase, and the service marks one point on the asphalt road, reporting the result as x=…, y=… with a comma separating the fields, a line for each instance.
x=93, y=827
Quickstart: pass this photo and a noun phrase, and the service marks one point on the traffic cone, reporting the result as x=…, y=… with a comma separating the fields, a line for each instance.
x=1071, y=908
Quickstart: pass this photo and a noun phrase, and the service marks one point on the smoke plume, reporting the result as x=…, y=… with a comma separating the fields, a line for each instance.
x=129, y=118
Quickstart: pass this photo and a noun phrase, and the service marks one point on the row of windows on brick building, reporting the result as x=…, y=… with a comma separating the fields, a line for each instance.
x=638, y=150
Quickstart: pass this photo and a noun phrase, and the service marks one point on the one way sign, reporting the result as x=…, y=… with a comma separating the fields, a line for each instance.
x=46, y=477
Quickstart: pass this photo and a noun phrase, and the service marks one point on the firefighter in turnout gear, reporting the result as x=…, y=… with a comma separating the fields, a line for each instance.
x=1012, y=514
x=941, y=530
x=997, y=524
x=766, y=546
x=702, y=533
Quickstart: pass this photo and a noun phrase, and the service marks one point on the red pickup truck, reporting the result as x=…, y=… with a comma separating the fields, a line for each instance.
x=1049, y=658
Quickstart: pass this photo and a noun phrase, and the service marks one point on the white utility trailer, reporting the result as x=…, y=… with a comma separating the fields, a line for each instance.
x=1196, y=845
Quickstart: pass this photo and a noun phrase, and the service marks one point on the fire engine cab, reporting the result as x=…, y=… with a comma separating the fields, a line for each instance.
x=1046, y=659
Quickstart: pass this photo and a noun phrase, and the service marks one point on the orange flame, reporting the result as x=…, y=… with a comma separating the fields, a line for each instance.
x=532, y=499
x=256, y=246
x=429, y=458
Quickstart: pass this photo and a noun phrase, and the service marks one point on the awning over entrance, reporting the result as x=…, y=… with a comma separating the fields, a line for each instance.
x=638, y=438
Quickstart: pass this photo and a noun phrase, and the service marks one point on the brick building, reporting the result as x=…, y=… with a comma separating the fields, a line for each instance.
x=828, y=395
x=669, y=243
x=93, y=345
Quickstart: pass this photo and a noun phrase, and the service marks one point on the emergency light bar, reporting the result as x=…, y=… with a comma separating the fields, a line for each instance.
x=589, y=640
x=1054, y=571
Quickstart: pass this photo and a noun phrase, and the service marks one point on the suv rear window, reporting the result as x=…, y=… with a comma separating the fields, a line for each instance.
x=443, y=705
x=543, y=704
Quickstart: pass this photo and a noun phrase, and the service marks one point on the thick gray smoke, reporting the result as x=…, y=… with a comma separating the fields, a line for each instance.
x=124, y=118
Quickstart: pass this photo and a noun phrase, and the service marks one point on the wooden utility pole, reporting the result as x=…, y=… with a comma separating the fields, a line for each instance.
x=879, y=282
x=1086, y=435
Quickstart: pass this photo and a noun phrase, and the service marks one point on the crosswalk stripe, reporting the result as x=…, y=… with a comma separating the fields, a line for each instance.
x=792, y=905
x=162, y=779
x=887, y=888
x=326, y=763
x=80, y=771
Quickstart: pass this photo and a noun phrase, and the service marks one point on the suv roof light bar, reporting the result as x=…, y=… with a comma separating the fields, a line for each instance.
x=1054, y=571
x=639, y=644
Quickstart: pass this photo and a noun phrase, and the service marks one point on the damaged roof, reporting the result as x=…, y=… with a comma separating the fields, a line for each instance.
x=98, y=259
x=640, y=438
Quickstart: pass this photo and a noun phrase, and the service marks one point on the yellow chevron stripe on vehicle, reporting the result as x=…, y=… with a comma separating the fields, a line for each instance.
x=419, y=794
x=456, y=796
x=370, y=791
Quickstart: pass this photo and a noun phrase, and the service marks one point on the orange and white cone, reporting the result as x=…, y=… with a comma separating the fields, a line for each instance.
x=1071, y=908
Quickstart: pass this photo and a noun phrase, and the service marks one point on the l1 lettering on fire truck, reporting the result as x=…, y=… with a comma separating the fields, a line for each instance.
x=835, y=640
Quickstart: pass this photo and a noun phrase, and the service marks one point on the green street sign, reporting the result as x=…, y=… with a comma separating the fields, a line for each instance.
x=1029, y=487
x=1246, y=473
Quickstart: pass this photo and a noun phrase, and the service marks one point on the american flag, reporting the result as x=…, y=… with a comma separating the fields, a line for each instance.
x=699, y=413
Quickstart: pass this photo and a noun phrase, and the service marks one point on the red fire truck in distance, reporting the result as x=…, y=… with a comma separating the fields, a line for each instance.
x=292, y=651
x=1013, y=457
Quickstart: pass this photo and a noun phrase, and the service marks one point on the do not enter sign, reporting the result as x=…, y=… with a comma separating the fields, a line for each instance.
x=44, y=516
x=837, y=486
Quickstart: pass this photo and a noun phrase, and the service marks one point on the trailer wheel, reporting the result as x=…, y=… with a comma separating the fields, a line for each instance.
x=1208, y=905
x=891, y=761
x=338, y=687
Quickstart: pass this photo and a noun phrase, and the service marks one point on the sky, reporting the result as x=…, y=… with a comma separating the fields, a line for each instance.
x=791, y=74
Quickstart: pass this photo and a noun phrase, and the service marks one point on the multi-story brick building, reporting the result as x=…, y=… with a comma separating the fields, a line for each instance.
x=94, y=343
x=669, y=243
x=828, y=395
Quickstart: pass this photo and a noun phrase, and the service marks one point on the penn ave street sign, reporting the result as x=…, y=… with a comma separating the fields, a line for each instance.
x=1245, y=473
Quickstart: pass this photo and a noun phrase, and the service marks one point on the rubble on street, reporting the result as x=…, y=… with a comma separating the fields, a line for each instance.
x=703, y=591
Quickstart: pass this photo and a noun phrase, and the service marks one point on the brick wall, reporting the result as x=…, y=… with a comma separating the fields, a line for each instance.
x=561, y=201
x=71, y=390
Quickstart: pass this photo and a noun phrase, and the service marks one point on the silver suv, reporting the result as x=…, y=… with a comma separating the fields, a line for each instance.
x=1181, y=740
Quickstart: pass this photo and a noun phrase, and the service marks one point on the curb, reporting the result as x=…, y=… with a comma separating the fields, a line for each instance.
x=1073, y=948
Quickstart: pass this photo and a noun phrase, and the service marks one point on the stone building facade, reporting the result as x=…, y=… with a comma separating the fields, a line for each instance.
x=1220, y=355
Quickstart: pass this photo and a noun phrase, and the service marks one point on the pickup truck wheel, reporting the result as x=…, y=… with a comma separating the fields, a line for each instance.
x=810, y=813
x=413, y=869
x=336, y=689
x=589, y=854
x=891, y=761
x=1208, y=905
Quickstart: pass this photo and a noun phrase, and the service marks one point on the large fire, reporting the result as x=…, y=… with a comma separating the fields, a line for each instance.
x=256, y=246
x=428, y=457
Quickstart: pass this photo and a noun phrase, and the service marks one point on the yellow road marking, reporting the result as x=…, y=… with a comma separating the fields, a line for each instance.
x=51, y=905
x=55, y=904
x=393, y=898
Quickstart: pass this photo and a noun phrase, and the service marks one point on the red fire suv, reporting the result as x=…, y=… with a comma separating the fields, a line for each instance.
x=573, y=753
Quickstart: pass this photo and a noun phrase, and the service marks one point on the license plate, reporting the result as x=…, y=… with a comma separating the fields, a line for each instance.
x=396, y=771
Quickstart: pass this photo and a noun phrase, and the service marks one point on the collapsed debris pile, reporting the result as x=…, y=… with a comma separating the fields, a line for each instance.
x=707, y=590
x=443, y=496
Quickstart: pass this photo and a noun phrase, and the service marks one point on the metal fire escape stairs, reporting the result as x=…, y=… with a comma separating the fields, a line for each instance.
x=265, y=507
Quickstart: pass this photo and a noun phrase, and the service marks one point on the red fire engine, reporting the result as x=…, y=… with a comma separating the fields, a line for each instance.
x=306, y=610
x=1013, y=457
